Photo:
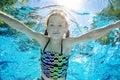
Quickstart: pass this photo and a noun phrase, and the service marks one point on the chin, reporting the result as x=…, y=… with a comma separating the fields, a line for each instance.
x=56, y=37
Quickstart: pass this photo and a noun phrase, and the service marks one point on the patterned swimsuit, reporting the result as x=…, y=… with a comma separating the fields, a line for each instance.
x=54, y=65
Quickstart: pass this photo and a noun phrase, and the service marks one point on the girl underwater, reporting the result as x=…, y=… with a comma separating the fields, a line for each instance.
x=55, y=43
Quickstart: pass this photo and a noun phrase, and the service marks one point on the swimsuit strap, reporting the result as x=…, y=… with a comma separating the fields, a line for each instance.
x=48, y=43
x=61, y=47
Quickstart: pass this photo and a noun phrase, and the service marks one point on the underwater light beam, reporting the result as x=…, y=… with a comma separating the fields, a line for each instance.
x=70, y=4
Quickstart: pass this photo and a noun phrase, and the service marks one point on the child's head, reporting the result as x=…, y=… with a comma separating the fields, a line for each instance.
x=57, y=24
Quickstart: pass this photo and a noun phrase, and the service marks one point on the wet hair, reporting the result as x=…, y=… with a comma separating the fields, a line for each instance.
x=60, y=13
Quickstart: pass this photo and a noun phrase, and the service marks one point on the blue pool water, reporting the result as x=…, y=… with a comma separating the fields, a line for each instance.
x=19, y=54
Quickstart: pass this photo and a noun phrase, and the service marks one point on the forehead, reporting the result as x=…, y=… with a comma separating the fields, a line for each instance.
x=57, y=17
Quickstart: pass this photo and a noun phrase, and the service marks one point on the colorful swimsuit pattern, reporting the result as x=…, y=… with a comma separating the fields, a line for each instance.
x=54, y=65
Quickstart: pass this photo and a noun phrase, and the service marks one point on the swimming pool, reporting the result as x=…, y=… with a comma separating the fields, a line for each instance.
x=94, y=60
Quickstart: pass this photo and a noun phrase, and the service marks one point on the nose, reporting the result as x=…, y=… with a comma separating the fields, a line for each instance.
x=56, y=29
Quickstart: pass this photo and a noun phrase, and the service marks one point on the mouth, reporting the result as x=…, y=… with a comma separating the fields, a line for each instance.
x=55, y=33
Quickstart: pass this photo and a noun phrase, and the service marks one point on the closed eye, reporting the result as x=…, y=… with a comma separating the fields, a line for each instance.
x=59, y=25
x=51, y=25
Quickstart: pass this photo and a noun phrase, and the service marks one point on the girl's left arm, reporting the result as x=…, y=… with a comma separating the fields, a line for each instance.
x=94, y=34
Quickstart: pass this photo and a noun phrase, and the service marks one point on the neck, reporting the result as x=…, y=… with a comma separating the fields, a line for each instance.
x=55, y=41
x=55, y=44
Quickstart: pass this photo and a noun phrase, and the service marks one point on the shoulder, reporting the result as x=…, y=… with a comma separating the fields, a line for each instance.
x=40, y=38
x=66, y=41
x=75, y=40
x=67, y=46
x=69, y=41
x=43, y=41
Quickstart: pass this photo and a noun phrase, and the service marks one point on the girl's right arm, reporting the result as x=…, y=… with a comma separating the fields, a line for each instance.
x=14, y=23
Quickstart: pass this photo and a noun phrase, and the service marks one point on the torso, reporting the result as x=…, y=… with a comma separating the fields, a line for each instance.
x=66, y=51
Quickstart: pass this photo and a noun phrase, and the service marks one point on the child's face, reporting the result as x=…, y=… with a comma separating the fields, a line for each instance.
x=57, y=27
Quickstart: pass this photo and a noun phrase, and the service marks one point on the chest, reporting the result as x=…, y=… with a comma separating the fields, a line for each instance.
x=59, y=49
